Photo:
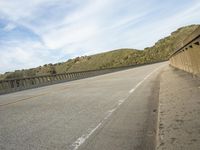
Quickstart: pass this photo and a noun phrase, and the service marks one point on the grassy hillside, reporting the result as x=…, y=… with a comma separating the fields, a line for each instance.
x=116, y=58
x=121, y=57
x=166, y=46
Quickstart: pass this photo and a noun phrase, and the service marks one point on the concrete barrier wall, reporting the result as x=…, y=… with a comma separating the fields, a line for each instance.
x=187, y=58
x=11, y=85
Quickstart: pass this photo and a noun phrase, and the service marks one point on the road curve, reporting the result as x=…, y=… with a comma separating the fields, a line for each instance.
x=116, y=111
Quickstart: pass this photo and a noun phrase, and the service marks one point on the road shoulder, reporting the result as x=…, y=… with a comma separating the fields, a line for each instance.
x=179, y=111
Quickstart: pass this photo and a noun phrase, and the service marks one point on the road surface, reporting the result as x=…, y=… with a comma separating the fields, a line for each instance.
x=116, y=111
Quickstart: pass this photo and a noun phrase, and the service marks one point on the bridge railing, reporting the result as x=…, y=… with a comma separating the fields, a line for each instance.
x=187, y=57
x=12, y=85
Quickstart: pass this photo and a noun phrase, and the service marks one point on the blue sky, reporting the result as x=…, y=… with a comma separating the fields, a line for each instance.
x=36, y=32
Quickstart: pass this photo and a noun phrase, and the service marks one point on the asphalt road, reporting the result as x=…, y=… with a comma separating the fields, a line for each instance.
x=116, y=111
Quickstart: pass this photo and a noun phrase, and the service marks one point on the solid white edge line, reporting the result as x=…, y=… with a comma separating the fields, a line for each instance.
x=84, y=137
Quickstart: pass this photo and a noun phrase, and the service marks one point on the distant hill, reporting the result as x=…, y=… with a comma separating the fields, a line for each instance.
x=120, y=57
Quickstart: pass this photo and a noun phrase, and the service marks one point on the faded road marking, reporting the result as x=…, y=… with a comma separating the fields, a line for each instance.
x=24, y=99
x=132, y=90
x=61, y=89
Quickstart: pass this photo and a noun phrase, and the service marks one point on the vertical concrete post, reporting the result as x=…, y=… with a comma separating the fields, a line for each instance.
x=40, y=80
x=20, y=83
x=31, y=82
x=65, y=76
x=75, y=75
x=24, y=83
x=57, y=77
x=11, y=84
x=60, y=77
x=44, y=80
x=15, y=84
x=4, y=87
x=54, y=78
x=28, y=83
x=83, y=74
x=48, y=79
x=78, y=75
x=70, y=76
x=1, y=85
x=36, y=81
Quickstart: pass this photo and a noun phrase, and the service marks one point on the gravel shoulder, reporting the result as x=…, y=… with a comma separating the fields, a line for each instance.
x=179, y=111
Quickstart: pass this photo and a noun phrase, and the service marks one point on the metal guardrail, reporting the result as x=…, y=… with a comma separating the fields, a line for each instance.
x=187, y=57
x=18, y=84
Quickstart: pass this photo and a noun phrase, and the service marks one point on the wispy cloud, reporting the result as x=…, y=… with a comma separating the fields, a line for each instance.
x=36, y=32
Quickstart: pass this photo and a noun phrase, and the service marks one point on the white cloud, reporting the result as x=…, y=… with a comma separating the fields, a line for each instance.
x=9, y=27
x=67, y=35
x=16, y=10
x=87, y=27
x=22, y=55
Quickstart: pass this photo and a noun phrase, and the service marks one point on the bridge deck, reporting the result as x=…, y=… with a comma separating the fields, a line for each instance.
x=114, y=110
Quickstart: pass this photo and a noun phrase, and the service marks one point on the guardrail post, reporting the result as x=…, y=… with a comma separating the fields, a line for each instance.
x=3, y=85
x=65, y=76
x=20, y=83
x=48, y=79
x=70, y=76
x=28, y=83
